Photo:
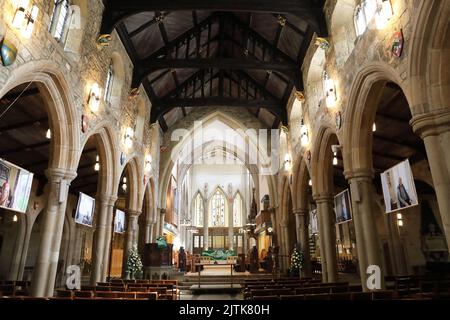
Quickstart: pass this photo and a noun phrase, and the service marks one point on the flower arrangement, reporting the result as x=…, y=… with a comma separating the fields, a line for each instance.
x=134, y=263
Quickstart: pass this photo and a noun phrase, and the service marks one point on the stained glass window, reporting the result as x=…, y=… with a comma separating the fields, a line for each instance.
x=218, y=210
x=198, y=209
x=109, y=83
x=237, y=211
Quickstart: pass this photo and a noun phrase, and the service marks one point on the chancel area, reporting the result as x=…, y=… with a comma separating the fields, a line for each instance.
x=217, y=150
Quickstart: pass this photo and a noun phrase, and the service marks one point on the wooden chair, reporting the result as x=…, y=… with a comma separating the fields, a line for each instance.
x=64, y=294
x=102, y=288
x=339, y=289
x=383, y=295
x=119, y=289
x=137, y=289
x=261, y=293
x=341, y=296
x=126, y=295
x=83, y=294
x=147, y=295
x=361, y=296
x=106, y=294
x=321, y=296
x=266, y=298
x=293, y=297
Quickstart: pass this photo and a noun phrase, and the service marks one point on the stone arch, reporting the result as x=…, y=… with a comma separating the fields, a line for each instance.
x=360, y=113
x=210, y=117
x=107, y=152
x=62, y=114
x=342, y=30
x=314, y=81
x=321, y=155
x=301, y=176
x=430, y=56
x=135, y=184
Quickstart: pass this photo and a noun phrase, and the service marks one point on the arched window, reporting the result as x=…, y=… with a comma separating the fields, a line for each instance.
x=237, y=211
x=198, y=210
x=364, y=13
x=60, y=19
x=109, y=83
x=218, y=210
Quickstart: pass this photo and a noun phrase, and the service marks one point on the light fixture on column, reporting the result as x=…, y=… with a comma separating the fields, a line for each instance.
x=94, y=97
x=400, y=219
x=48, y=134
x=129, y=133
x=15, y=218
x=304, y=136
x=330, y=90
x=385, y=13
x=374, y=127
x=335, y=148
x=310, y=182
x=124, y=184
x=287, y=162
x=97, y=163
x=25, y=17
x=148, y=163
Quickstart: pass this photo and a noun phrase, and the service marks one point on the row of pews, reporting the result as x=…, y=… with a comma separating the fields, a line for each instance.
x=409, y=287
x=116, y=289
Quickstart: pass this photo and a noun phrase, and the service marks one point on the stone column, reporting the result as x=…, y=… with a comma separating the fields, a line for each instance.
x=396, y=246
x=434, y=129
x=367, y=241
x=301, y=219
x=205, y=226
x=132, y=230
x=99, y=239
x=161, y=221
x=284, y=246
x=327, y=236
x=109, y=229
x=44, y=274
x=230, y=224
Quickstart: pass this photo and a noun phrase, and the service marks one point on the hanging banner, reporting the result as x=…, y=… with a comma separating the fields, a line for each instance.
x=399, y=190
x=15, y=187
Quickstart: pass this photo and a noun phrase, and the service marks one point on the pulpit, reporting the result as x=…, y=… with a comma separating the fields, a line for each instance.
x=157, y=262
x=157, y=257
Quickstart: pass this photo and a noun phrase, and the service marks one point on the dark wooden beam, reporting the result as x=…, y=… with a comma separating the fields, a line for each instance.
x=24, y=124
x=396, y=143
x=10, y=97
x=181, y=39
x=24, y=148
x=146, y=68
x=216, y=102
x=116, y=11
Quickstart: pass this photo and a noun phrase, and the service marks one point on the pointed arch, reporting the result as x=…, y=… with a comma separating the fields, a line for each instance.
x=238, y=209
x=198, y=209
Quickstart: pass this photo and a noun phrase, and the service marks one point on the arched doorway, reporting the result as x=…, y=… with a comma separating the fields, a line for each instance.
x=26, y=141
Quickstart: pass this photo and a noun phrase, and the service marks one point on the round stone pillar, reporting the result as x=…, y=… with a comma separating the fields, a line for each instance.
x=302, y=222
x=326, y=220
x=44, y=275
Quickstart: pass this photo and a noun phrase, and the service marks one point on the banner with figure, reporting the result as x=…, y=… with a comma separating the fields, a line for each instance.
x=399, y=190
x=15, y=187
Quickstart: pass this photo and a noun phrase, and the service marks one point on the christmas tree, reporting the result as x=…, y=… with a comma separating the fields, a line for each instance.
x=296, y=262
x=134, y=263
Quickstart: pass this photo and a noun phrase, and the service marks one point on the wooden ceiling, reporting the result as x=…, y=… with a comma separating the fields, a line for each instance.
x=190, y=53
x=23, y=130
